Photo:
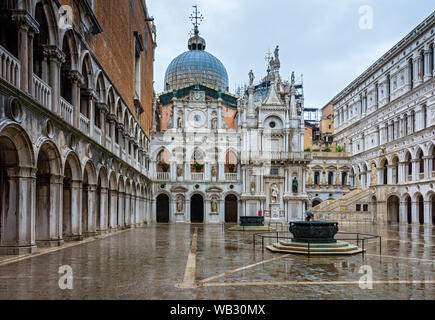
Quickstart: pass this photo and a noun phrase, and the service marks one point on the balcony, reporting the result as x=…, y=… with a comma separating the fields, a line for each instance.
x=421, y=175
x=41, y=92
x=276, y=156
x=10, y=68
x=84, y=124
x=66, y=111
x=197, y=176
x=230, y=176
x=163, y=176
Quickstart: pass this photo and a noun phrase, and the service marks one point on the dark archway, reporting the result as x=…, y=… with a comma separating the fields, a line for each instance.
x=393, y=209
x=433, y=208
x=316, y=203
x=231, y=208
x=420, y=208
x=197, y=208
x=409, y=209
x=162, y=208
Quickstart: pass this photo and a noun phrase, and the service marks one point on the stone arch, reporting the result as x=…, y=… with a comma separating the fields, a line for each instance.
x=407, y=202
x=89, y=213
x=393, y=206
x=21, y=141
x=14, y=181
x=102, y=200
x=120, y=221
x=71, y=212
x=48, y=219
x=418, y=204
x=51, y=20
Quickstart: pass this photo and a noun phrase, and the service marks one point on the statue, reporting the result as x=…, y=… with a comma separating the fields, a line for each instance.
x=251, y=78
x=274, y=191
x=180, y=204
x=213, y=171
x=179, y=170
x=358, y=180
x=180, y=123
x=253, y=186
x=214, y=123
x=213, y=205
x=295, y=185
x=276, y=53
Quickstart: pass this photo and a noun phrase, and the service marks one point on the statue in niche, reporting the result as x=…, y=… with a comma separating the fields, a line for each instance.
x=179, y=122
x=180, y=204
x=253, y=185
x=251, y=78
x=179, y=170
x=213, y=205
x=358, y=180
x=295, y=185
x=214, y=123
x=274, y=191
x=213, y=171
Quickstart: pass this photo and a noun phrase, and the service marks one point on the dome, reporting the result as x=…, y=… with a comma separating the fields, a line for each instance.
x=196, y=66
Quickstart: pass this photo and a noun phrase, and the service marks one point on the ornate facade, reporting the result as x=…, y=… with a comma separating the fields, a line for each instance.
x=73, y=148
x=385, y=120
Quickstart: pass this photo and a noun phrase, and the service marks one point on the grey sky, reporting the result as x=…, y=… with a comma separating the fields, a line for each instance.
x=318, y=38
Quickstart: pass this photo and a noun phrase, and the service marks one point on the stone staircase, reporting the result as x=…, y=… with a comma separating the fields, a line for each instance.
x=344, y=208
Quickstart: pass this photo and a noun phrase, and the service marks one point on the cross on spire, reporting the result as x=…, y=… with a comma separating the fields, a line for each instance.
x=196, y=17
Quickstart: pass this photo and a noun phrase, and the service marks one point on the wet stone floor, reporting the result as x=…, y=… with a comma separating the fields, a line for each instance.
x=149, y=262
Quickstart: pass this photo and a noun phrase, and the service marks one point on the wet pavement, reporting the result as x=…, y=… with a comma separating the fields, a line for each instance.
x=149, y=262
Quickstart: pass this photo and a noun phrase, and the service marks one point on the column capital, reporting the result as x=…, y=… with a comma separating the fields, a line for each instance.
x=25, y=21
x=102, y=106
x=76, y=77
x=54, y=53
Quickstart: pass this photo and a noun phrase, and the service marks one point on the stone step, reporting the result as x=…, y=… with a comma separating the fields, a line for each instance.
x=338, y=244
x=343, y=248
x=324, y=249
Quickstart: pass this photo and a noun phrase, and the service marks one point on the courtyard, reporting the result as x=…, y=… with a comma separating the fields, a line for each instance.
x=209, y=261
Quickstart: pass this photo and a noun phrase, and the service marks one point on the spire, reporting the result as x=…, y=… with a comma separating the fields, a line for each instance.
x=293, y=107
x=196, y=42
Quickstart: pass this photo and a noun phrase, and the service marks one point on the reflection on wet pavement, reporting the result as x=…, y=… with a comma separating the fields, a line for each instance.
x=147, y=263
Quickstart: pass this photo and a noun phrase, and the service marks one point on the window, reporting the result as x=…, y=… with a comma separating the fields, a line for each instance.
x=366, y=207
x=274, y=171
x=358, y=207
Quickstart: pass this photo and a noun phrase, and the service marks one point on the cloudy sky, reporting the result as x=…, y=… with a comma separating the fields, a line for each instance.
x=320, y=39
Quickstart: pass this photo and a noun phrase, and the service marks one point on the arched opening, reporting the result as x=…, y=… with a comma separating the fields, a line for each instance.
x=385, y=172
x=41, y=39
x=393, y=209
x=197, y=165
x=197, y=208
x=163, y=166
x=85, y=88
x=67, y=200
x=420, y=164
x=420, y=208
x=343, y=178
x=432, y=204
x=48, y=190
x=8, y=191
x=121, y=203
x=316, y=178
x=231, y=208
x=9, y=29
x=330, y=178
x=316, y=202
x=408, y=166
x=230, y=162
x=162, y=208
x=100, y=90
x=66, y=68
x=408, y=210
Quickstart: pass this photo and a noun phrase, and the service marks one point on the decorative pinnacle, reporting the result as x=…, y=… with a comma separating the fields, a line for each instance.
x=196, y=17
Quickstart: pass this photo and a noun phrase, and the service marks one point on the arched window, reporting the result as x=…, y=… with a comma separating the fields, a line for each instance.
x=163, y=161
x=330, y=178
x=230, y=162
x=66, y=68
x=343, y=178
x=317, y=178
x=385, y=172
x=420, y=163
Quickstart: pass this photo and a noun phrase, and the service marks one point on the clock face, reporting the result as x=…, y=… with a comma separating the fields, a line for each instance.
x=197, y=118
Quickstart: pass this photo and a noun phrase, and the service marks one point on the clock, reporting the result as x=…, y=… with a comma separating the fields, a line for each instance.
x=197, y=118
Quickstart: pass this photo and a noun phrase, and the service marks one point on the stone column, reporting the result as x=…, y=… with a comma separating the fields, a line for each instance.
x=92, y=218
x=76, y=210
x=56, y=58
x=55, y=226
x=427, y=172
x=127, y=211
x=76, y=80
x=427, y=65
x=415, y=172
x=121, y=209
x=113, y=210
x=403, y=212
x=427, y=212
x=31, y=34
x=414, y=211
x=23, y=55
x=19, y=229
x=104, y=214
